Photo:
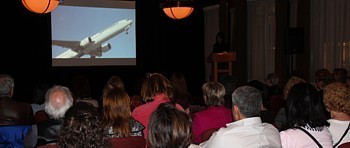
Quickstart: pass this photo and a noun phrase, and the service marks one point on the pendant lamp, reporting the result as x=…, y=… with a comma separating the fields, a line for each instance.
x=41, y=6
x=178, y=9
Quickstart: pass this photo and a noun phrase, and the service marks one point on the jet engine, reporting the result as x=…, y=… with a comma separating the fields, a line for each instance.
x=104, y=48
x=86, y=42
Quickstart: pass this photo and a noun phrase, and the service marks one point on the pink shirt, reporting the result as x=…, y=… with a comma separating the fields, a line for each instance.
x=143, y=112
x=293, y=138
x=212, y=117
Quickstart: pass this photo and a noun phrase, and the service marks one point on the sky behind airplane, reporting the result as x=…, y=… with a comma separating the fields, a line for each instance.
x=76, y=23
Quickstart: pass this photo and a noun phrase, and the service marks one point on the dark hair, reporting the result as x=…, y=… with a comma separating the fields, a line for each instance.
x=154, y=84
x=220, y=35
x=169, y=127
x=263, y=90
x=230, y=85
x=81, y=87
x=303, y=107
x=116, y=112
x=114, y=82
x=82, y=127
x=340, y=74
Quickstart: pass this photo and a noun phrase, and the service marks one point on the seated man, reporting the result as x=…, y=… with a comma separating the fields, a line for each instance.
x=58, y=100
x=247, y=130
x=14, y=116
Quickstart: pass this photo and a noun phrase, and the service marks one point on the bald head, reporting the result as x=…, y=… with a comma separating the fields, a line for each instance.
x=58, y=100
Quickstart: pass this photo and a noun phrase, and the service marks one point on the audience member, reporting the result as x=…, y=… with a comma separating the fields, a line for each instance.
x=323, y=78
x=272, y=79
x=306, y=124
x=265, y=114
x=58, y=100
x=230, y=85
x=155, y=90
x=337, y=101
x=135, y=96
x=169, y=127
x=273, y=86
x=113, y=82
x=82, y=90
x=39, y=96
x=82, y=128
x=340, y=75
x=281, y=116
x=16, y=118
x=247, y=130
x=181, y=94
x=216, y=115
x=117, y=115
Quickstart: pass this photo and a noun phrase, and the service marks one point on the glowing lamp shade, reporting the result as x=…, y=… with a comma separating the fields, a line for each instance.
x=178, y=9
x=40, y=6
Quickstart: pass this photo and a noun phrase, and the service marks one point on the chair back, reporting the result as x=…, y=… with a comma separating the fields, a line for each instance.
x=344, y=145
x=41, y=115
x=48, y=146
x=129, y=142
x=207, y=134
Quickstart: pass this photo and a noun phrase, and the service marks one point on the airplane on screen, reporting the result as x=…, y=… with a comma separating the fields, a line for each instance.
x=93, y=45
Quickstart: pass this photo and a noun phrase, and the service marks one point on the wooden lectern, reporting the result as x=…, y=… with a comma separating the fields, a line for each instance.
x=225, y=57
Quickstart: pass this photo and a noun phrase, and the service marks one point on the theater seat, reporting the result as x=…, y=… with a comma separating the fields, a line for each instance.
x=129, y=142
x=41, y=115
x=48, y=146
x=344, y=145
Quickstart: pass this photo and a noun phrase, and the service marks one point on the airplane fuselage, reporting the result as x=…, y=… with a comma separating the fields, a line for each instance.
x=93, y=45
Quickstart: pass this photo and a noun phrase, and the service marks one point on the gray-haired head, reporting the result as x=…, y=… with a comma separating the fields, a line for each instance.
x=248, y=100
x=6, y=85
x=58, y=100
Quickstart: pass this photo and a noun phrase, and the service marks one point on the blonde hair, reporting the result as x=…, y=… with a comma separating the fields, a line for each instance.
x=291, y=82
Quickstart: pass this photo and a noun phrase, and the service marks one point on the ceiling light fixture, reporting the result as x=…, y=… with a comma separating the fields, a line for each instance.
x=178, y=9
x=41, y=6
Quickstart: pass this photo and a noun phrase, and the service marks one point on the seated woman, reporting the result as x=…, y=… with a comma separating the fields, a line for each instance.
x=337, y=101
x=216, y=115
x=156, y=89
x=181, y=94
x=169, y=127
x=117, y=117
x=82, y=128
x=306, y=124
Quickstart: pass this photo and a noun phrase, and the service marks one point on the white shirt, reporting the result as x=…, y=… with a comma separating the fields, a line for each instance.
x=245, y=133
x=193, y=146
x=337, y=129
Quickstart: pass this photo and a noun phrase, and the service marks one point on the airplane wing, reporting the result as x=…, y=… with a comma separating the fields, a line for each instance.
x=69, y=54
x=66, y=44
